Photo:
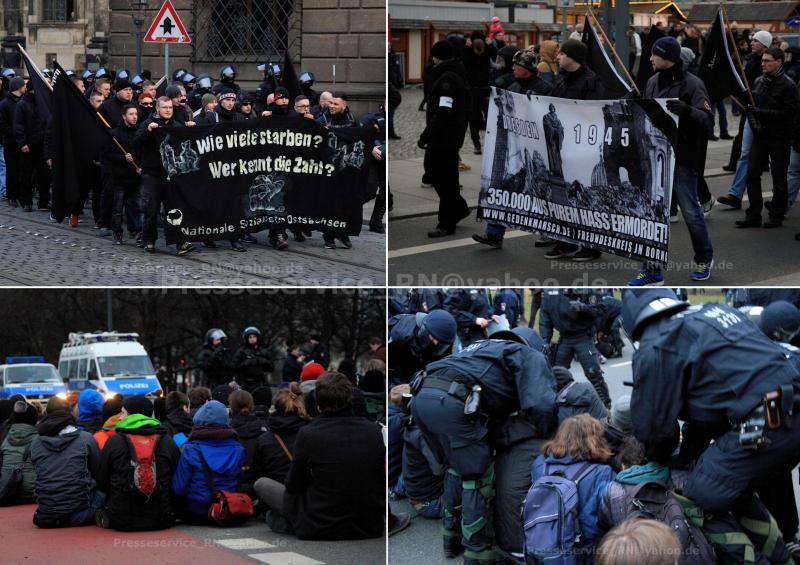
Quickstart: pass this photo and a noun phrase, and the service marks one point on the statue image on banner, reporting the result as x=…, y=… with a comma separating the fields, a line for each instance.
x=554, y=136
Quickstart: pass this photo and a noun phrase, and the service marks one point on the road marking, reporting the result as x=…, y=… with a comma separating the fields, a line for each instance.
x=621, y=364
x=430, y=247
x=288, y=558
x=244, y=543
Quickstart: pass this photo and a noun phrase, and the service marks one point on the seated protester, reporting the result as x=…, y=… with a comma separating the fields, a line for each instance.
x=308, y=381
x=198, y=396
x=215, y=441
x=136, y=471
x=112, y=413
x=15, y=451
x=222, y=393
x=178, y=420
x=89, y=411
x=373, y=387
x=579, y=442
x=618, y=425
x=335, y=486
x=575, y=398
x=639, y=541
x=249, y=428
x=66, y=460
x=8, y=410
x=280, y=104
x=262, y=398
x=272, y=460
x=398, y=418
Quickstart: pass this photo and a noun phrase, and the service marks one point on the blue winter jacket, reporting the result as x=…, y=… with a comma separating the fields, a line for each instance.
x=225, y=457
x=590, y=490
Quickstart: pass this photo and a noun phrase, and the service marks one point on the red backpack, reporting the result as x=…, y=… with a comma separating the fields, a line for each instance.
x=143, y=462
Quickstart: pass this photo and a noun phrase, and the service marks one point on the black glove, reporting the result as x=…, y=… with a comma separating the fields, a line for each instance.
x=422, y=143
x=679, y=107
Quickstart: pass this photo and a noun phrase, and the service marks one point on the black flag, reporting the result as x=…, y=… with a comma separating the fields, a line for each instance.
x=645, y=67
x=41, y=91
x=78, y=138
x=598, y=60
x=161, y=87
x=717, y=69
x=290, y=81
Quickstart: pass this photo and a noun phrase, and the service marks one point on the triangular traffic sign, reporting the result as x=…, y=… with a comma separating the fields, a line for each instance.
x=167, y=27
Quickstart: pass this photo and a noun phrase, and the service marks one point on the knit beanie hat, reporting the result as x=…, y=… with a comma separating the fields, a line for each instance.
x=443, y=50
x=668, y=48
x=311, y=372
x=575, y=50
x=121, y=84
x=763, y=37
x=138, y=404
x=24, y=413
x=211, y=413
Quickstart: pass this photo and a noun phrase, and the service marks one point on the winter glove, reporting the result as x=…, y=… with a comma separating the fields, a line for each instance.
x=678, y=107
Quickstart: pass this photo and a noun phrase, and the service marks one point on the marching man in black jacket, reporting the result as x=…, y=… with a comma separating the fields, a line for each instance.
x=13, y=156
x=125, y=173
x=29, y=130
x=443, y=136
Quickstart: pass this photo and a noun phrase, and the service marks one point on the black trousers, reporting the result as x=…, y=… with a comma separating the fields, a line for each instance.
x=376, y=219
x=779, y=157
x=154, y=192
x=441, y=170
x=34, y=174
x=107, y=194
x=478, y=113
x=126, y=197
x=13, y=158
x=92, y=186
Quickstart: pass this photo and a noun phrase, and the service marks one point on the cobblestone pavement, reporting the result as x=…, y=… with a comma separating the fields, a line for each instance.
x=36, y=251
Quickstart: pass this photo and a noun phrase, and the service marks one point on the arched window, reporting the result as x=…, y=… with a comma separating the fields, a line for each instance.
x=661, y=171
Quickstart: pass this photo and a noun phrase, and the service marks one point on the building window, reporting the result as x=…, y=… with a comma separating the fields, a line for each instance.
x=245, y=30
x=58, y=11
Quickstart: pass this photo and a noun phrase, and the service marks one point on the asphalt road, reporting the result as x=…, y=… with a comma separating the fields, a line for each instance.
x=254, y=542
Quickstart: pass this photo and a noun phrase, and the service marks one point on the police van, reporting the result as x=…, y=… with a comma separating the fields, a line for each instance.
x=31, y=377
x=109, y=362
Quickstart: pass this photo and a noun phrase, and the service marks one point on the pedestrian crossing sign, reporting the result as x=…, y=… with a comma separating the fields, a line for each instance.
x=167, y=27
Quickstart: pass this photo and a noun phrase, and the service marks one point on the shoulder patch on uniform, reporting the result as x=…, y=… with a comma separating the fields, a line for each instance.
x=445, y=102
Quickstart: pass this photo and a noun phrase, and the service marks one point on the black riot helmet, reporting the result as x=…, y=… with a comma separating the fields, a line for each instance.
x=644, y=307
x=227, y=74
x=188, y=80
x=204, y=81
x=215, y=333
x=123, y=73
x=178, y=74
x=87, y=75
x=137, y=81
x=306, y=79
x=251, y=330
x=8, y=74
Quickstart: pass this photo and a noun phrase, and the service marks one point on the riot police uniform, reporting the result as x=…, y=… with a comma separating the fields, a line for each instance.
x=575, y=322
x=410, y=345
x=455, y=403
x=227, y=77
x=708, y=366
x=267, y=86
x=201, y=87
x=425, y=300
x=467, y=306
x=252, y=362
x=213, y=360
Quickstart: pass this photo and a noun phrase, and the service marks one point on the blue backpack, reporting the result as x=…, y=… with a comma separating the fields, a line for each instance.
x=550, y=513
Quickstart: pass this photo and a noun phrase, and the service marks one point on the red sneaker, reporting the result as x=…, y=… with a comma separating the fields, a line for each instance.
x=73, y=220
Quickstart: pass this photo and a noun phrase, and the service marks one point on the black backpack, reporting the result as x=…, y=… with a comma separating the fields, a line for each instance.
x=653, y=500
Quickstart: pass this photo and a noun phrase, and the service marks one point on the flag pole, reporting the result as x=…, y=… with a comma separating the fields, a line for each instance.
x=121, y=148
x=38, y=72
x=614, y=51
x=736, y=52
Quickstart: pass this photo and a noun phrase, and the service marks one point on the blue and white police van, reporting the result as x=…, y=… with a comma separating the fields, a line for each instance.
x=31, y=377
x=109, y=362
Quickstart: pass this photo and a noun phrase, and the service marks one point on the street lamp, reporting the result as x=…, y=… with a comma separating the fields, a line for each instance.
x=138, y=8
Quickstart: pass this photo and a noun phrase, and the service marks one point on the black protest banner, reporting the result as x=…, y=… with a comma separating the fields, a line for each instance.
x=598, y=60
x=717, y=68
x=227, y=179
x=598, y=174
x=78, y=138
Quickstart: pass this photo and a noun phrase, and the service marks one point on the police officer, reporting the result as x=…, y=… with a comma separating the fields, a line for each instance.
x=453, y=402
x=416, y=340
x=213, y=359
x=471, y=313
x=227, y=78
x=575, y=322
x=88, y=81
x=425, y=300
x=267, y=86
x=201, y=87
x=708, y=366
x=252, y=360
x=446, y=124
x=306, y=80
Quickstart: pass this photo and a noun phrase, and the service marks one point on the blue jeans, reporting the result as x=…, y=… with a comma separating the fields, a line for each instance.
x=684, y=188
x=794, y=177
x=739, y=184
x=495, y=230
x=719, y=107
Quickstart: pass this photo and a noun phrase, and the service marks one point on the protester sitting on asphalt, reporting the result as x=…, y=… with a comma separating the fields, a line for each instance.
x=215, y=441
x=618, y=425
x=66, y=460
x=262, y=398
x=198, y=396
x=15, y=451
x=112, y=414
x=249, y=428
x=372, y=385
x=178, y=420
x=275, y=446
x=136, y=471
x=639, y=541
x=89, y=411
x=335, y=488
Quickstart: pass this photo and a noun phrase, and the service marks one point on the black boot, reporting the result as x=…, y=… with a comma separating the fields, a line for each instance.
x=452, y=547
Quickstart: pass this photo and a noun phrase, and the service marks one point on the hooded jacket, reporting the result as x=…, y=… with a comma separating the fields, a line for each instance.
x=19, y=437
x=336, y=484
x=66, y=461
x=271, y=460
x=128, y=509
x=612, y=509
x=225, y=458
x=28, y=125
x=579, y=398
x=446, y=117
x=108, y=430
x=548, y=66
x=179, y=425
x=90, y=411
